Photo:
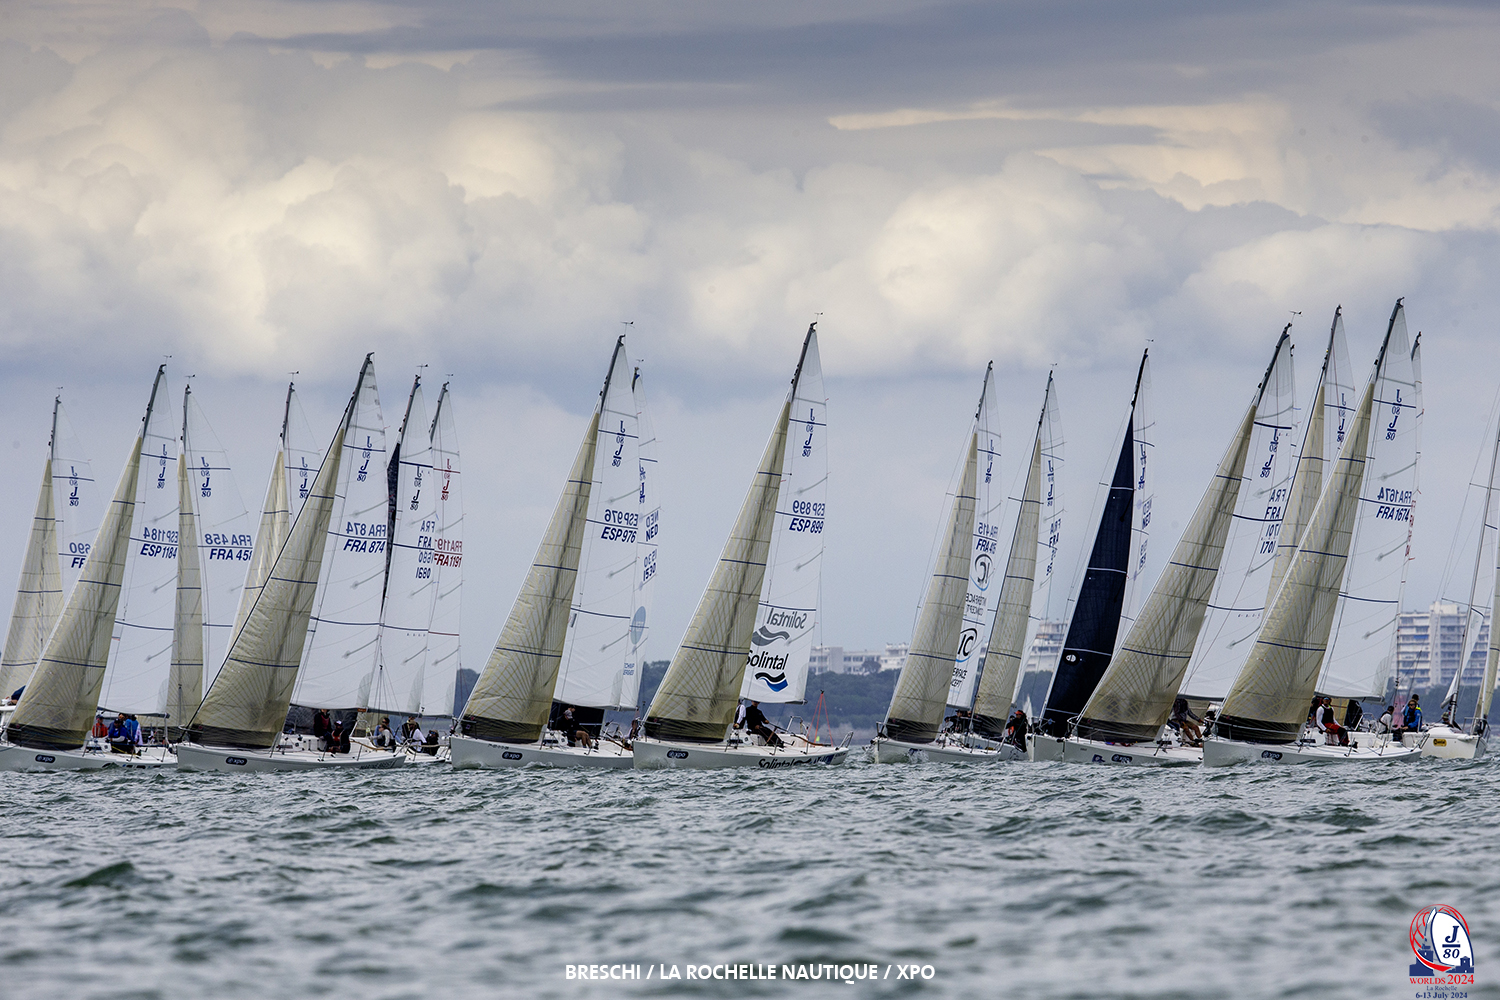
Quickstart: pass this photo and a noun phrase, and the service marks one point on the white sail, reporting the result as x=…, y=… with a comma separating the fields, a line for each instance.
x=1242, y=589
x=302, y=452
x=781, y=645
x=341, y=639
x=597, y=647
x=39, y=593
x=75, y=498
x=986, y=569
x=646, y=552
x=1361, y=647
x=406, y=616
x=184, y=688
x=1476, y=532
x=443, y=656
x=224, y=544
x=141, y=658
x=1143, y=436
x=276, y=516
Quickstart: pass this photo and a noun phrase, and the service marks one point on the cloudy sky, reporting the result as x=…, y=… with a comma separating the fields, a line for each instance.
x=256, y=188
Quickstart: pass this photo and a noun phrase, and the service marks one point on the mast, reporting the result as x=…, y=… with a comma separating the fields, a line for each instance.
x=1097, y=614
x=185, y=678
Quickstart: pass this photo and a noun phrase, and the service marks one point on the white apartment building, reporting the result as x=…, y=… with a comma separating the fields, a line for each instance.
x=1429, y=646
x=838, y=660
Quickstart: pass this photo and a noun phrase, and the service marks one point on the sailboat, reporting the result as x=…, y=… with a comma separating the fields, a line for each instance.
x=1106, y=592
x=396, y=682
x=443, y=651
x=959, y=607
x=309, y=636
x=758, y=613
x=1450, y=739
x=567, y=641
x=61, y=534
x=1123, y=721
x=1331, y=627
x=1037, y=533
x=111, y=647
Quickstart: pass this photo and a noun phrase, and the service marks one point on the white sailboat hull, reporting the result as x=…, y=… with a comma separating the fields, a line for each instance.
x=651, y=754
x=472, y=753
x=1221, y=753
x=19, y=758
x=192, y=757
x=889, y=751
x=1081, y=751
x=1447, y=743
x=1044, y=747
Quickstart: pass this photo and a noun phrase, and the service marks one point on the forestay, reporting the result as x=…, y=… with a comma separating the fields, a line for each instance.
x=1362, y=646
x=1118, y=552
x=57, y=708
x=597, y=647
x=1268, y=701
x=443, y=657
x=144, y=620
x=699, y=692
x=247, y=704
x=1242, y=588
x=916, y=711
x=781, y=645
x=512, y=699
x=986, y=578
x=341, y=639
x=1038, y=521
x=406, y=616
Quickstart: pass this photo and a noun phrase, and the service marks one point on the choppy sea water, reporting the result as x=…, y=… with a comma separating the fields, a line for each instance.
x=1047, y=880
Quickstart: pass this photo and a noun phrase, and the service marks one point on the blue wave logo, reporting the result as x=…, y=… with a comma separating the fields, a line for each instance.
x=776, y=682
x=764, y=636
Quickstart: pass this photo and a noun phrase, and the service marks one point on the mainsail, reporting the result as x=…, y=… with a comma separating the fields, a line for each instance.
x=396, y=684
x=1243, y=586
x=646, y=552
x=223, y=544
x=1360, y=661
x=1268, y=701
x=597, y=647
x=697, y=697
x=75, y=498
x=341, y=639
x=512, y=699
x=184, y=689
x=1118, y=553
x=145, y=618
x=277, y=511
x=247, y=704
x=443, y=661
x=1037, y=525
x=982, y=601
x=916, y=710
x=1134, y=697
x=57, y=708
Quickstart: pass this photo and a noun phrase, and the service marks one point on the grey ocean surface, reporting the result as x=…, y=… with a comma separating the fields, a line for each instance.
x=1046, y=880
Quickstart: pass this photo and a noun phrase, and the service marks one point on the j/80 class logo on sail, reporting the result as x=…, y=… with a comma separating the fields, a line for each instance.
x=1439, y=938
